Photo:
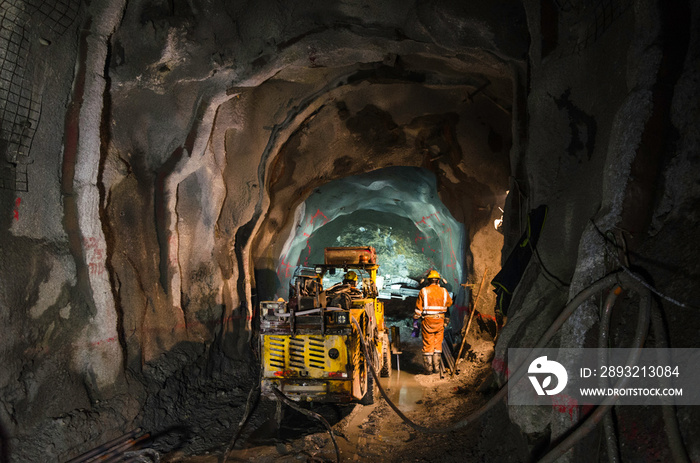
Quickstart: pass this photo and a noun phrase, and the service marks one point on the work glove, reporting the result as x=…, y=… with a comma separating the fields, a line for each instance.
x=416, y=328
x=447, y=321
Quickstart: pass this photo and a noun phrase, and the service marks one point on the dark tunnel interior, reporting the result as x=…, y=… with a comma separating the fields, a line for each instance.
x=171, y=169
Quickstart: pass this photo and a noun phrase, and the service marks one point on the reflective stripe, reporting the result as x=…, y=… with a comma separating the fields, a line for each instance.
x=434, y=309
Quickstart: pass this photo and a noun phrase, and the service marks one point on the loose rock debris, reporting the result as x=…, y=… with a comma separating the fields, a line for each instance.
x=375, y=433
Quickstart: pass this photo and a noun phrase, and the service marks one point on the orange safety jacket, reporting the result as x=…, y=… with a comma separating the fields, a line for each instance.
x=433, y=300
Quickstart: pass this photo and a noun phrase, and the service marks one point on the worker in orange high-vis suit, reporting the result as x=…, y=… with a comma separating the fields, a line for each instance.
x=431, y=305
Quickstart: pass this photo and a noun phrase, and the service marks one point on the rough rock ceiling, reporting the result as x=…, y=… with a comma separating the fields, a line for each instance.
x=192, y=131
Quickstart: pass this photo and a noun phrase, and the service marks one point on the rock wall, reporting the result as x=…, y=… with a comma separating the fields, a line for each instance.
x=155, y=152
x=162, y=169
x=609, y=125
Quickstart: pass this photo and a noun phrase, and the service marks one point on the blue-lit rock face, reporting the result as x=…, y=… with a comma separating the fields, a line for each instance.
x=396, y=210
x=399, y=244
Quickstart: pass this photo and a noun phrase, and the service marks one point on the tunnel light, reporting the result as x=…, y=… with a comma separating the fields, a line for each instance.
x=380, y=282
x=498, y=223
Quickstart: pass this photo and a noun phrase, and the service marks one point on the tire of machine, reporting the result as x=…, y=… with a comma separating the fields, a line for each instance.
x=386, y=358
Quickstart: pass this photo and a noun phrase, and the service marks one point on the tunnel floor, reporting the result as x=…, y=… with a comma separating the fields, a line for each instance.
x=376, y=433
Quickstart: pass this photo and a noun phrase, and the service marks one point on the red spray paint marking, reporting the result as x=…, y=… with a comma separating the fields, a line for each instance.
x=499, y=366
x=94, y=256
x=97, y=343
x=18, y=201
x=89, y=243
x=318, y=214
x=565, y=404
x=487, y=317
x=285, y=266
x=453, y=256
x=461, y=311
x=433, y=215
x=306, y=261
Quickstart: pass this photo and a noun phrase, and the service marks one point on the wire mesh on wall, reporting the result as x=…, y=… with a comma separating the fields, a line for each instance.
x=20, y=103
x=56, y=15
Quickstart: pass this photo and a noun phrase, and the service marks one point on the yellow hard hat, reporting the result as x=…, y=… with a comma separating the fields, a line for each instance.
x=433, y=275
x=351, y=276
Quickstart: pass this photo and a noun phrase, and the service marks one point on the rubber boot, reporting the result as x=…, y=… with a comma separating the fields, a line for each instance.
x=436, y=362
x=428, y=361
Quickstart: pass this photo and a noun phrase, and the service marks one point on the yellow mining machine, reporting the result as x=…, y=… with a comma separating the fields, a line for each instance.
x=310, y=346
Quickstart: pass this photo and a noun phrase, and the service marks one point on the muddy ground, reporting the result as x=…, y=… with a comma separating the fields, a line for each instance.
x=376, y=433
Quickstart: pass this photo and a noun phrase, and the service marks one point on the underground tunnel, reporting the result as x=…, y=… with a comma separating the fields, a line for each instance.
x=170, y=167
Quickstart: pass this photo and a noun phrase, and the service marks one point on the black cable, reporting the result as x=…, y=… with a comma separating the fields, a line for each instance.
x=521, y=370
x=656, y=291
x=253, y=396
x=283, y=398
x=626, y=268
x=560, y=282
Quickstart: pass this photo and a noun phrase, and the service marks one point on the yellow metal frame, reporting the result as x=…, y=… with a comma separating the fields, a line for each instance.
x=300, y=365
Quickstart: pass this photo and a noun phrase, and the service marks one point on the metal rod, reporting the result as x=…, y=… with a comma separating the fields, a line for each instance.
x=104, y=447
x=115, y=454
x=476, y=301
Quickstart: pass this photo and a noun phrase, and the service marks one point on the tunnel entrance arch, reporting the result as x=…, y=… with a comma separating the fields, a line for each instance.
x=406, y=197
x=365, y=121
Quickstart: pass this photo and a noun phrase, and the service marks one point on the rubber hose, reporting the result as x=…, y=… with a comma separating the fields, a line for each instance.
x=569, y=309
x=596, y=417
x=668, y=411
x=283, y=398
x=608, y=426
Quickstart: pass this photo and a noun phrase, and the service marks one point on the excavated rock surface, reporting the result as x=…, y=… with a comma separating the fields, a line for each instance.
x=167, y=146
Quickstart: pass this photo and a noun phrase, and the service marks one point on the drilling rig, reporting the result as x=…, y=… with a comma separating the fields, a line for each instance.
x=310, y=344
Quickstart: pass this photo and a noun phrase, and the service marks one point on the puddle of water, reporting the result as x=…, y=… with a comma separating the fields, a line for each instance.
x=403, y=390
